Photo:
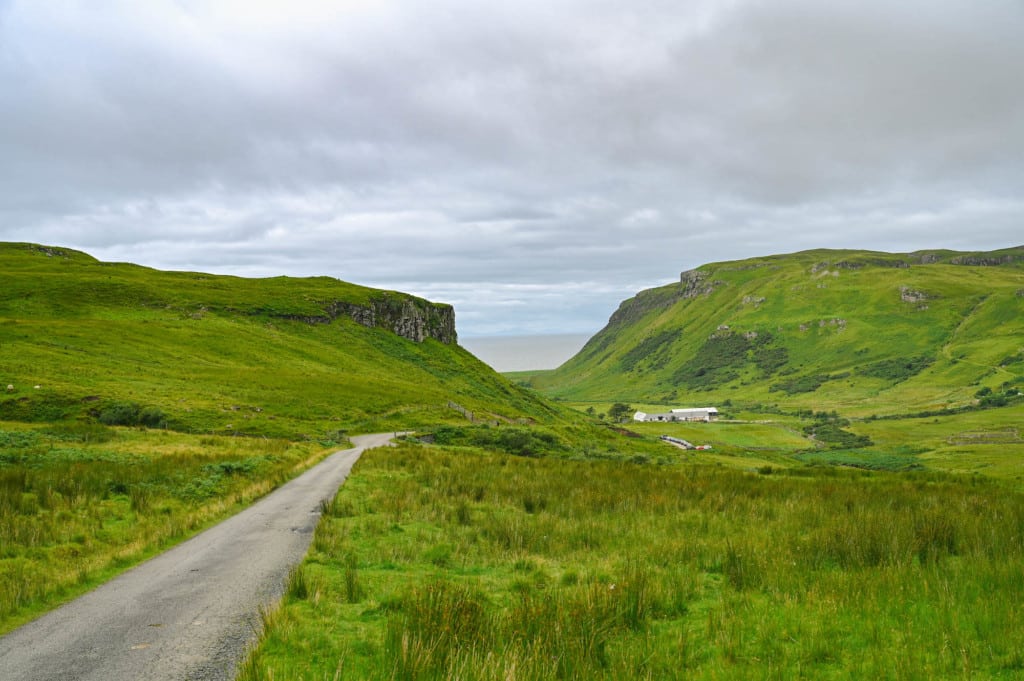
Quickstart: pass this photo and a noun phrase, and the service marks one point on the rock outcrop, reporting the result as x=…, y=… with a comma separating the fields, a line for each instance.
x=695, y=283
x=692, y=284
x=909, y=295
x=412, y=318
x=990, y=260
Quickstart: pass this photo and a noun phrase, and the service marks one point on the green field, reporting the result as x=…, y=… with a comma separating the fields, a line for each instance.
x=456, y=563
x=975, y=441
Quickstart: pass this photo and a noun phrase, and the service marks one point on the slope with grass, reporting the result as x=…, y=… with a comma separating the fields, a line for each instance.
x=144, y=405
x=855, y=331
x=296, y=358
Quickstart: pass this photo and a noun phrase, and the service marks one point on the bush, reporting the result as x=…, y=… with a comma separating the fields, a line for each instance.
x=836, y=437
x=514, y=440
x=39, y=408
x=899, y=369
x=132, y=414
x=994, y=401
x=154, y=417
x=723, y=355
x=620, y=411
x=715, y=362
x=120, y=414
x=770, y=359
x=803, y=384
x=655, y=350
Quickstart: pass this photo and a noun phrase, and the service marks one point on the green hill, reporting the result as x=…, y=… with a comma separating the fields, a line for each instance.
x=855, y=331
x=288, y=357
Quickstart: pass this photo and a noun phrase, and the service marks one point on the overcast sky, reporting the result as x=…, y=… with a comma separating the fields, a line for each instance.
x=533, y=163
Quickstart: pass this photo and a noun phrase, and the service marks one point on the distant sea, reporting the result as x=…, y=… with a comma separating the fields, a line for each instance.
x=525, y=353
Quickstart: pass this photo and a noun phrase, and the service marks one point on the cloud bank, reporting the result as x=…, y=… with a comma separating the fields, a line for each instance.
x=532, y=163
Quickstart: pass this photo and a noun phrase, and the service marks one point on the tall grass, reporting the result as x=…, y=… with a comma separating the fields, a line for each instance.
x=657, y=572
x=77, y=504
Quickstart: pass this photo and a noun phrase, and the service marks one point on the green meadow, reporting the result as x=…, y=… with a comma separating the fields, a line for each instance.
x=458, y=563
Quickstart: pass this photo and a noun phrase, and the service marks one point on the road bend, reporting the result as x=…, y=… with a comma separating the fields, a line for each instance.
x=190, y=613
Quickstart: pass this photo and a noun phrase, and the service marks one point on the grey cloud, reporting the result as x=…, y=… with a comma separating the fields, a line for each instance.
x=583, y=147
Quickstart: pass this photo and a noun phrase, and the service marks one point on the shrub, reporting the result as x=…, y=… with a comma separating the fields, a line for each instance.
x=803, y=384
x=836, y=437
x=132, y=414
x=120, y=414
x=654, y=349
x=724, y=354
x=154, y=417
x=715, y=362
x=620, y=411
x=770, y=359
x=515, y=440
x=898, y=369
x=994, y=401
x=37, y=408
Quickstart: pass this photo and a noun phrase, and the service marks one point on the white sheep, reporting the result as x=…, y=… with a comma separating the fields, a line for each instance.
x=10, y=387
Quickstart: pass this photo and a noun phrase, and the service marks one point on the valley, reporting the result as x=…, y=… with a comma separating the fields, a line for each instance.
x=858, y=512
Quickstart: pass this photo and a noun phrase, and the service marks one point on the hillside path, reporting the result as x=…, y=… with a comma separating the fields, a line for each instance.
x=192, y=612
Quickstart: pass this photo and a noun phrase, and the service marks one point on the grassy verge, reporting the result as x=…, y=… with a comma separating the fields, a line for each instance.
x=79, y=503
x=440, y=563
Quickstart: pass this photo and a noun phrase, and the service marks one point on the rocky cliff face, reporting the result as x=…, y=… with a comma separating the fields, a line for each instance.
x=695, y=283
x=412, y=318
x=409, y=317
x=988, y=260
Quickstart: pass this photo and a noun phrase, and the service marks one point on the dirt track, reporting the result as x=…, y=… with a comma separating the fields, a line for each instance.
x=191, y=612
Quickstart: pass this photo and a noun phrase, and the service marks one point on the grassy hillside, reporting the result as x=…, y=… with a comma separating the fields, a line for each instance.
x=83, y=339
x=860, y=332
x=144, y=405
x=511, y=552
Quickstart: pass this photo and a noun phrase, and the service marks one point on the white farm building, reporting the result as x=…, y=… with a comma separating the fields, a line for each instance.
x=699, y=414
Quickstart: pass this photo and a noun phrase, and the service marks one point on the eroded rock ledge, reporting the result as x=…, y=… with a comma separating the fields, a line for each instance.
x=409, y=317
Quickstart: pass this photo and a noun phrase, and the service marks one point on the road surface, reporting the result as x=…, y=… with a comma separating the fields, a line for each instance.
x=190, y=613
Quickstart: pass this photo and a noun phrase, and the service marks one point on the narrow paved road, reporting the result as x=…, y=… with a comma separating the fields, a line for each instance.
x=190, y=613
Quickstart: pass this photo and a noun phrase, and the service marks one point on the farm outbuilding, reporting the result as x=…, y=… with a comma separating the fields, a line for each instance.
x=706, y=414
